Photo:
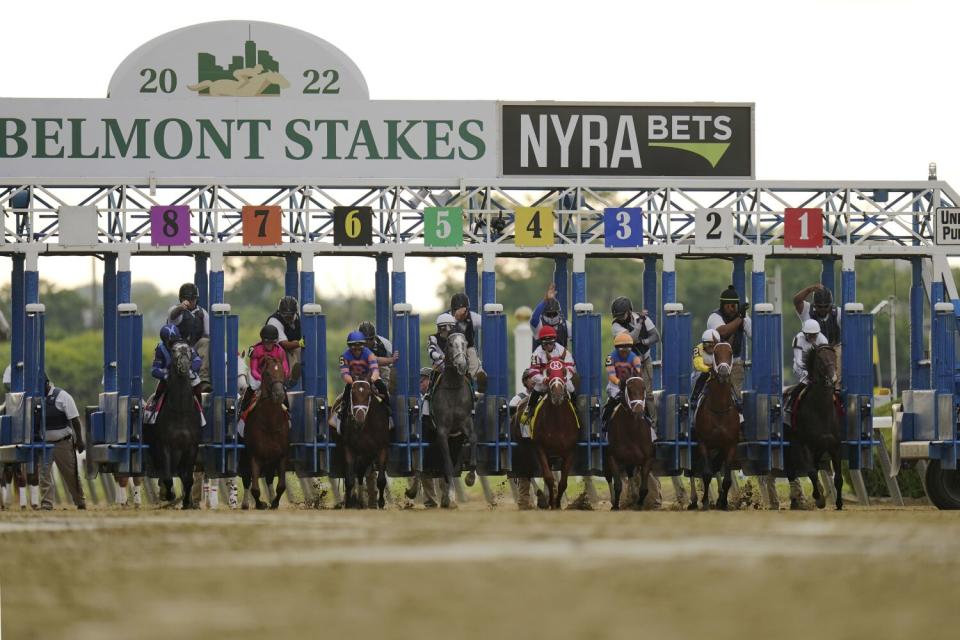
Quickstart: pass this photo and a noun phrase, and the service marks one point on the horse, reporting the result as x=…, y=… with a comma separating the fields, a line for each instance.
x=630, y=442
x=365, y=437
x=176, y=434
x=554, y=431
x=716, y=428
x=266, y=437
x=451, y=405
x=247, y=83
x=816, y=425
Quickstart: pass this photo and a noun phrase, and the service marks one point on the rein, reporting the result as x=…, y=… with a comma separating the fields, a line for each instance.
x=626, y=395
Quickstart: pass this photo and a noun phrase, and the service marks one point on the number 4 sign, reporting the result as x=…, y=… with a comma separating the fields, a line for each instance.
x=803, y=228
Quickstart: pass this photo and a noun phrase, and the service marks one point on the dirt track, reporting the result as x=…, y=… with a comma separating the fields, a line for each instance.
x=476, y=573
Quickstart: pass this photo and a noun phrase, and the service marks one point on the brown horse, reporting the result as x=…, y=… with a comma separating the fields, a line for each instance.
x=266, y=437
x=630, y=443
x=717, y=427
x=365, y=437
x=555, y=430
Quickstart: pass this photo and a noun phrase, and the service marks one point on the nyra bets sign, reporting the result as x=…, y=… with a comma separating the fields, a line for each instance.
x=260, y=103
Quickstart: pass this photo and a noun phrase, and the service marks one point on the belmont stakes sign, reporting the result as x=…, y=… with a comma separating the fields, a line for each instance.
x=259, y=101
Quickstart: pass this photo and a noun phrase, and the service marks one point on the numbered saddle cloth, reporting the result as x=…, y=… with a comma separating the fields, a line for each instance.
x=546, y=398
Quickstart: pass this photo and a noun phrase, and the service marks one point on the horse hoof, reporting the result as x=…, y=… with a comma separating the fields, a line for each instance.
x=692, y=506
x=614, y=507
x=411, y=493
x=381, y=503
x=821, y=503
x=245, y=506
x=839, y=506
x=795, y=505
x=542, y=500
x=471, y=478
x=429, y=504
x=261, y=506
x=275, y=504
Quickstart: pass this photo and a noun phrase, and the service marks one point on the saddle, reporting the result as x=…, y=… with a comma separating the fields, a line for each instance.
x=536, y=411
x=797, y=396
x=151, y=410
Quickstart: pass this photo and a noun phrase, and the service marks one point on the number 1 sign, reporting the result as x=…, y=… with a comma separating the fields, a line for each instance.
x=170, y=225
x=803, y=228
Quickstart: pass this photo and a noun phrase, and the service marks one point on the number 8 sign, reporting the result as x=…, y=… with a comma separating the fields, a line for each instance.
x=623, y=227
x=170, y=226
x=443, y=226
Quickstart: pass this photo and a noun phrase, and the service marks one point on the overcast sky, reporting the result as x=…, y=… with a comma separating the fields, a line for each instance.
x=845, y=89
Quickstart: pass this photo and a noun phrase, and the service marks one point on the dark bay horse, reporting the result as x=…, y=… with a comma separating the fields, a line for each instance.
x=176, y=434
x=816, y=427
x=451, y=405
x=554, y=432
x=716, y=428
x=266, y=437
x=630, y=443
x=365, y=437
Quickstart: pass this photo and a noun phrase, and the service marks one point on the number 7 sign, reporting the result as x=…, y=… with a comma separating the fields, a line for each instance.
x=803, y=228
x=261, y=225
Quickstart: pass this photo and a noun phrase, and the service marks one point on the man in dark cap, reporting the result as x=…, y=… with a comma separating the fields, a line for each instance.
x=823, y=311
x=548, y=312
x=468, y=323
x=193, y=323
x=733, y=324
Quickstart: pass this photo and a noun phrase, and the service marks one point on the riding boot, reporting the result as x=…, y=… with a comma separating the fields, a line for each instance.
x=531, y=405
x=607, y=411
x=198, y=395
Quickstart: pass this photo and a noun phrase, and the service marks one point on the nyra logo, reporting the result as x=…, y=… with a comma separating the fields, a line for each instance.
x=704, y=135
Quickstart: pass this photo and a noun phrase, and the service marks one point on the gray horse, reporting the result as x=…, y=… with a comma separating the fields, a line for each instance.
x=451, y=406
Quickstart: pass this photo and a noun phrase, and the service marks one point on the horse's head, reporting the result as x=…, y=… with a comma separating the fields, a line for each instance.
x=723, y=361
x=634, y=391
x=824, y=369
x=456, y=352
x=276, y=78
x=182, y=358
x=361, y=394
x=557, y=381
x=271, y=373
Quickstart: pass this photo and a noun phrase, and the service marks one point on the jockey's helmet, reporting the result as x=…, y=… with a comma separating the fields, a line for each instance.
x=711, y=336
x=367, y=329
x=446, y=320
x=811, y=327
x=355, y=338
x=459, y=301
x=287, y=306
x=169, y=333
x=551, y=312
x=426, y=372
x=269, y=332
x=189, y=291
x=547, y=333
x=528, y=373
x=621, y=306
x=729, y=296
x=623, y=340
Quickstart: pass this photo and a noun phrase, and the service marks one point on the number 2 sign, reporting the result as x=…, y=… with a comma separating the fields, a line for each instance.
x=170, y=225
x=803, y=228
x=714, y=227
x=261, y=225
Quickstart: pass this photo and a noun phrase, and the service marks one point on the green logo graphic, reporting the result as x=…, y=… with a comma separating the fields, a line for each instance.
x=255, y=73
x=712, y=152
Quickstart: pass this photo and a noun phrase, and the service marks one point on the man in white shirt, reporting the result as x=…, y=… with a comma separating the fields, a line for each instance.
x=64, y=432
x=731, y=321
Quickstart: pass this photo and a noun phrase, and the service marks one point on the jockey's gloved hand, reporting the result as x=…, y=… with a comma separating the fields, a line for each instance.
x=301, y=343
x=743, y=309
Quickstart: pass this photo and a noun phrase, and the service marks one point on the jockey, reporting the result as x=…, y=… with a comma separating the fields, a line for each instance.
x=193, y=323
x=268, y=346
x=381, y=347
x=547, y=352
x=162, y=359
x=703, y=368
x=527, y=380
x=809, y=338
x=731, y=321
x=622, y=363
x=437, y=343
x=358, y=363
x=547, y=313
x=641, y=330
x=286, y=319
x=468, y=323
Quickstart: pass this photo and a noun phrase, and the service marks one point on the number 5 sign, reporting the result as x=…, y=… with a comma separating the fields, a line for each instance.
x=714, y=227
x=803, y=228
x=261, y=225
x=443, y=226
x=352, y=226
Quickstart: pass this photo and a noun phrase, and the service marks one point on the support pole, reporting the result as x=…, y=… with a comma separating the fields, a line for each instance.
x=489, y=284
x=18, y=324
x=578, y=281
x=110, y=322
x=201, y=280
x=827, y=276
x=668, y=279
x=399, y=287
x=291, y=280
x=919, y=372
x=740, y=276
x=650, y=304
x=307, y=282
x=216, y=278
x=471, y=284
x=561, y=281
x=848, y=280
x=382, y=296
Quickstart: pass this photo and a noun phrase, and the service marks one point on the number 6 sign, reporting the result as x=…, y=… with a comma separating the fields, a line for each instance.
x=352, y=226
x=170, y=226
x=803, y=228
x=714, y=227
x=443, y=226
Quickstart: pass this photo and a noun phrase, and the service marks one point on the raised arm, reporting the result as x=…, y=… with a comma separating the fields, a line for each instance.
x=802, y=296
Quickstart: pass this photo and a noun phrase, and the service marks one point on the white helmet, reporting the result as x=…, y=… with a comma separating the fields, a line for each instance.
x=446, y=319
x=710, y=335
x=811, y=326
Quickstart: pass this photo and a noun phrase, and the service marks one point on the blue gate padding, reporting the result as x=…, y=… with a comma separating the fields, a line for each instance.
x=312, y=449
x=674, y=446
x=588, y=354
x=219, y=447
x=857, y=377
x=491, y=421
x=22, y=430
x=763, y=447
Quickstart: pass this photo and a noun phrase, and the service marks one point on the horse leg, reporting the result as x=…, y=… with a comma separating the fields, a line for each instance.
x=693, y=492
x=246, y=492
x=726, y=471
x=612, y=473
x=348, y=481
x=646, y=469
x=444, y=441
x=281, y=482
x=255, y=483
x=706, y=476
x=817, y=492
x=381, y=477
x=565, y=467
x=548, y=478
x=186, y=479
x=837, y=476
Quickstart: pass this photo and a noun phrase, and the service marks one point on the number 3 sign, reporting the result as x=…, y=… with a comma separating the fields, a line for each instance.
x=714, y=227
x=170, y=226
x=623, y=227
x=803, y=228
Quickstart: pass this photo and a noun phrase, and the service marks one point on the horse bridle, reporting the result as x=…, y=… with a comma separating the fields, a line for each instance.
x=626, y=394
x=354, y=408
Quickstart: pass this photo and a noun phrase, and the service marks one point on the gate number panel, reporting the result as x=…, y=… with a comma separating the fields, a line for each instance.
x=262, y=225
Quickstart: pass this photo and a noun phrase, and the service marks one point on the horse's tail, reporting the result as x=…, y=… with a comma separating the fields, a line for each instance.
x=200, y=86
